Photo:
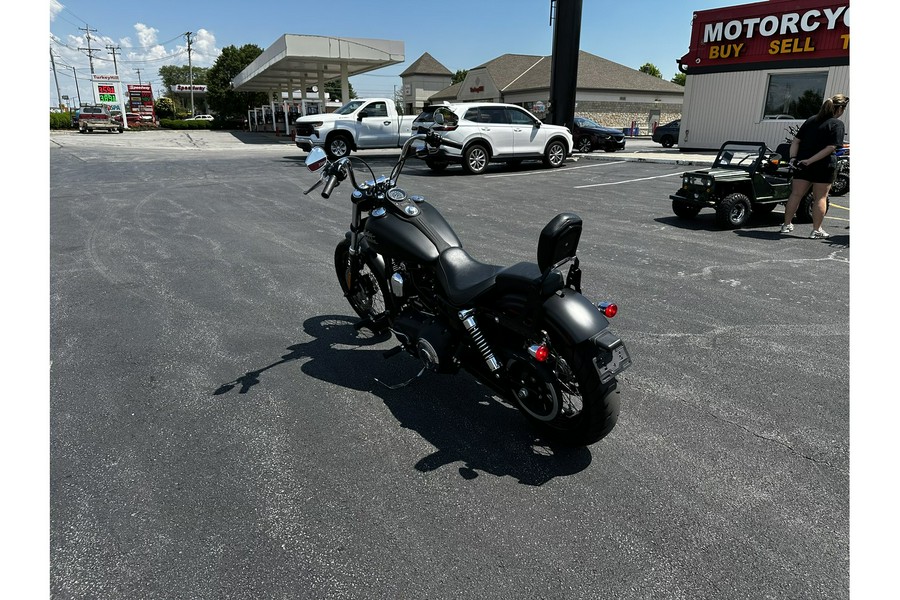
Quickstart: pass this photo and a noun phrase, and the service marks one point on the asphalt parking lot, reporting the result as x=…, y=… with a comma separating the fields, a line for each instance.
x=216, y=430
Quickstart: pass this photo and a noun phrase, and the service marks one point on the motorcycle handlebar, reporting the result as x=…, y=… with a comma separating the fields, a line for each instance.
x=329, y=186
x=442, y=141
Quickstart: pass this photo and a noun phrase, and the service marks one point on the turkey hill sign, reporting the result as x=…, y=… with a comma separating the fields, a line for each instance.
x=774, y=34
x=478, y=88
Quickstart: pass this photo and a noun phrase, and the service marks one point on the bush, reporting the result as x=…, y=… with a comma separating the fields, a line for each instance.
x=182, y=124
x=61, y=121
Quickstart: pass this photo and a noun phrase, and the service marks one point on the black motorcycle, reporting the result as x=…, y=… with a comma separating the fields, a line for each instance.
x=526, y=331
x=841, y=183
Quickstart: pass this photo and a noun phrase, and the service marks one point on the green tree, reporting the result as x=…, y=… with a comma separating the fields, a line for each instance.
x=225, y=101
x=333, y=89
x=679, y=78
x=650, y=69
x=165, y=108
x=459, y=76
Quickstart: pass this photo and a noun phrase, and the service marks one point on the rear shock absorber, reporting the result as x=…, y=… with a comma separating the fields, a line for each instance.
x=468, y=319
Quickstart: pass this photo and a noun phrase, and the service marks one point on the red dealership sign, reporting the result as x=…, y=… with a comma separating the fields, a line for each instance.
x=778, y=33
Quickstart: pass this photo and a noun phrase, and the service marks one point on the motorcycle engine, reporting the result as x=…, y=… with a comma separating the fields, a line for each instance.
x=430, y=340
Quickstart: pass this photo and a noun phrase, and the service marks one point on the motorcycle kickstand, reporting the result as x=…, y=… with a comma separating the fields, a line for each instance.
x=405, y=383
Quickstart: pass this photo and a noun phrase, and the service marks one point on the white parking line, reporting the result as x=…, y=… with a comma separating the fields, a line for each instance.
x=628, y=180
x=564, y=170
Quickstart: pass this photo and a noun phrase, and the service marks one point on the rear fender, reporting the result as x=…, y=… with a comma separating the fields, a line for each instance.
x=572, y=316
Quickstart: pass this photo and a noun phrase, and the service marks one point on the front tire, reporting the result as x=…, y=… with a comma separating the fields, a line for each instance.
x=841, y=185
x=685, y=210
x=365, y=291
x=667, y=141
x=804, y=211
x=555, y=154
x=734, y=210
x=566, y=402
x=338, y=146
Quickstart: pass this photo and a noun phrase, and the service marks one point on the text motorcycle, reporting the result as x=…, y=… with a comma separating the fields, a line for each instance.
x=526, y=331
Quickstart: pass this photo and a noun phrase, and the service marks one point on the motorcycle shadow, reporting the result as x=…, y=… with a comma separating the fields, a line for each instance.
x=461, y=418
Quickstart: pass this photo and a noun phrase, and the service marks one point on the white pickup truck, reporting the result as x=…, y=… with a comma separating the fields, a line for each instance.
x=358, y=125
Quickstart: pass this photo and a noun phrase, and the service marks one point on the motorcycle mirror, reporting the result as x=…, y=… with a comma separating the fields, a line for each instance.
x=438, y=118
x=316, y=159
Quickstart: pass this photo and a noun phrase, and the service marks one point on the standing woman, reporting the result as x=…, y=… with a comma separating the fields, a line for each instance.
x=812, y=153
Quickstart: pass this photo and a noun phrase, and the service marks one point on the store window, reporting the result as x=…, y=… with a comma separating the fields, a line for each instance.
x=795, y=95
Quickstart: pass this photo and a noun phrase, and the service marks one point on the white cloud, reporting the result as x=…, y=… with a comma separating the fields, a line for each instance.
x=55, y=9
x=146, y=35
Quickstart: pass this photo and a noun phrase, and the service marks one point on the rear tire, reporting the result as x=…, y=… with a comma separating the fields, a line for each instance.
x=366, y=293
x=475, y=159
x=667, y=141
x=734, y=210
x=569, y=406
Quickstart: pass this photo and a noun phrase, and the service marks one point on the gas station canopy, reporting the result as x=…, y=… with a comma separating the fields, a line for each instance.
x=302, y=60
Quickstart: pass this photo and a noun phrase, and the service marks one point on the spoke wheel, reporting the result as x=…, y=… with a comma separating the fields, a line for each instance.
x=362, y=288
x=563, y=398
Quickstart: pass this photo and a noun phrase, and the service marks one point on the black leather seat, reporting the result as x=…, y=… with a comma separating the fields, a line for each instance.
x=463, y=277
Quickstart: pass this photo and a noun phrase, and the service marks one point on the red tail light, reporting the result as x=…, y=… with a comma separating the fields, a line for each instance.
x=608, y=309
x=539, y=352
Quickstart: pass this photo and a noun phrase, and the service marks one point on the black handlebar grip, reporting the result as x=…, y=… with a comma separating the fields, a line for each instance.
x=451, y=144
x=329, y=186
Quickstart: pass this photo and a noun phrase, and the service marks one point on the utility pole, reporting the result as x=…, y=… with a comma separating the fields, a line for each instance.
x=55, y=78
x=139, y=76
x=190, y=71
x=77, y=91
x=90, y=52
x=112, y=50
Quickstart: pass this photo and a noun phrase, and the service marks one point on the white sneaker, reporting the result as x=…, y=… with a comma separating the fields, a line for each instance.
x=819, y=234
x=787, y=228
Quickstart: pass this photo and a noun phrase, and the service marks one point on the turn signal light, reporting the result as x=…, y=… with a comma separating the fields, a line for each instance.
x=608, y=309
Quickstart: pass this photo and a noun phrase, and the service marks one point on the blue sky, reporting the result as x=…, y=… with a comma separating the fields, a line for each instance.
x=460, y=34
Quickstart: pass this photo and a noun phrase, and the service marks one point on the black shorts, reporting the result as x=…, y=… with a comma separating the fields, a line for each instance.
x=822, y=171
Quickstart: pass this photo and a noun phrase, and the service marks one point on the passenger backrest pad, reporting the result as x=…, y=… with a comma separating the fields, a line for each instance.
x=559, y=240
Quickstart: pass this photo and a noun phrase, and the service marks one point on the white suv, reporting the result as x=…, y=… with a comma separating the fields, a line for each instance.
x=493, y=132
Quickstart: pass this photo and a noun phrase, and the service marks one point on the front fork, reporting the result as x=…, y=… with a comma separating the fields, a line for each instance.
x=353, y=252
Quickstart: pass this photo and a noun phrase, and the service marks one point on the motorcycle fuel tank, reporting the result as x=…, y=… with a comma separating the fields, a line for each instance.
x=420, y=238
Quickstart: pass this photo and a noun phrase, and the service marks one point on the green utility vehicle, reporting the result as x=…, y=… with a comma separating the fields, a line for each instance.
x=746, y=178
